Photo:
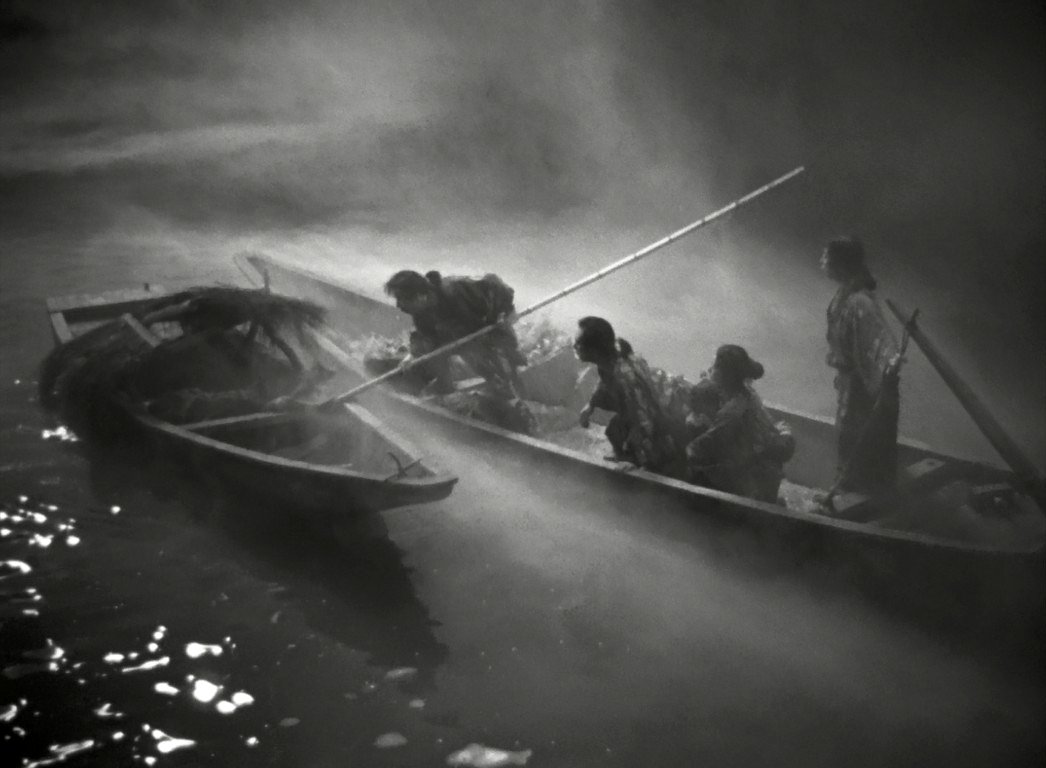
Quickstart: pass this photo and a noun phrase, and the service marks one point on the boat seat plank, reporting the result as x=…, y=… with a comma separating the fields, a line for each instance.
x=60, y=327
x=143, y=333
x=925, y=474
x=917, y=478
x=84, y=306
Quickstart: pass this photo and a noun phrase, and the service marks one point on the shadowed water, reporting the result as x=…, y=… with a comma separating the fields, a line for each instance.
x=147, y=614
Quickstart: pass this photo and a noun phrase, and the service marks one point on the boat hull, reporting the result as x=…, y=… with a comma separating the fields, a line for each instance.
x=924, y=573
x=321, y=495
x=324, y=467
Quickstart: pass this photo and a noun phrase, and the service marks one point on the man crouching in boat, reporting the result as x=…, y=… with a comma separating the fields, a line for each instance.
x=444, y=310
x=864, y=354
x=736, y=446
x=640, y=431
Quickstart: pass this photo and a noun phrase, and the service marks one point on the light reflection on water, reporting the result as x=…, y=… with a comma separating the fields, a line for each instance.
x=204, y=690
x=137, y=596
x=59, y=753
x=332, y=646
x=196, y=650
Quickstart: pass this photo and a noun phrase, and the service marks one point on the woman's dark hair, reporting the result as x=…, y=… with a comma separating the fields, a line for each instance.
x=598, y=335
x=407, y=282
x=846, y=258
x=736, y=366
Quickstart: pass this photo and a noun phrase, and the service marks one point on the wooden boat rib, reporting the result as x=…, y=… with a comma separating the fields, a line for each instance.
x=323, y=466
x=1007, y=572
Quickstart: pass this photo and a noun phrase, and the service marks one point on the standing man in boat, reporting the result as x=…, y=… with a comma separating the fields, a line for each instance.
x=640, y=431
x=864, y=353
x=446, y=308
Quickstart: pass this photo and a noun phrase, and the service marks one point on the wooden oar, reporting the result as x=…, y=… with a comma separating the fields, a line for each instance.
x=619, y=264
x=1024, y=470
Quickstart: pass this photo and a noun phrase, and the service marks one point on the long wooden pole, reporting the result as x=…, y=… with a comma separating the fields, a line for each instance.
x=1022, y=466
x=610, y=268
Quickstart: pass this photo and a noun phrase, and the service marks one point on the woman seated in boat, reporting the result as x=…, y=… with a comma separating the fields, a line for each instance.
x=444, y=310
x=735, y=445
x=639, y=431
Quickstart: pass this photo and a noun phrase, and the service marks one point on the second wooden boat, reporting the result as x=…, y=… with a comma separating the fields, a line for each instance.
x=321, y=465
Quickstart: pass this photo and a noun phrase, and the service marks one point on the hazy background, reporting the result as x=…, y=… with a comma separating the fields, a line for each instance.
x=150, y=141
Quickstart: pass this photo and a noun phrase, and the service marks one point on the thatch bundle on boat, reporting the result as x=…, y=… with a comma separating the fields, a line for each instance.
x=200, y=344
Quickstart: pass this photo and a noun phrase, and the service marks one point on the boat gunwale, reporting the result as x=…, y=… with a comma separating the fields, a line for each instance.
x=259, y=457
x=680, y=486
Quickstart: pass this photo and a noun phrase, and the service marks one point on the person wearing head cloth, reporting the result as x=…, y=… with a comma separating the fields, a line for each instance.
x=446, y=308
x=736, y=446
x=640, y=430
x=863, y=352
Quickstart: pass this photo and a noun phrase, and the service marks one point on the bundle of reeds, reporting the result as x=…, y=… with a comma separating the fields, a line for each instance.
x=206, y=339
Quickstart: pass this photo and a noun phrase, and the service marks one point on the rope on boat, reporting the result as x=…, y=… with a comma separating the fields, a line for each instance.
x=401, y=468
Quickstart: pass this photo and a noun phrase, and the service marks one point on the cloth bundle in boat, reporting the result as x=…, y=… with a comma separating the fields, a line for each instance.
x=204, y=339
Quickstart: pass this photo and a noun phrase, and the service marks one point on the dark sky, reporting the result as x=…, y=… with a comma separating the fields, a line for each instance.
x=590, y=124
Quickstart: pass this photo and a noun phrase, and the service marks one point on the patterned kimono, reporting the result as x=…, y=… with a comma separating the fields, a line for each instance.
x=860, y=349
x=640, y=430
x=465, y=305
x=737, y=447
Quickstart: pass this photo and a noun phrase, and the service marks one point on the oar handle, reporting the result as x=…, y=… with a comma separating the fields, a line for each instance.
x=599, y=275
x=1023, y=467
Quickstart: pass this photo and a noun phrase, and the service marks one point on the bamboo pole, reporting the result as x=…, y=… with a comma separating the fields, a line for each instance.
x=576, y=286
x=1022, y=466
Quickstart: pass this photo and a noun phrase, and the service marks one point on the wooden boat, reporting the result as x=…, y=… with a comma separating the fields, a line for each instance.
x=325, y=466
x=923, y=567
